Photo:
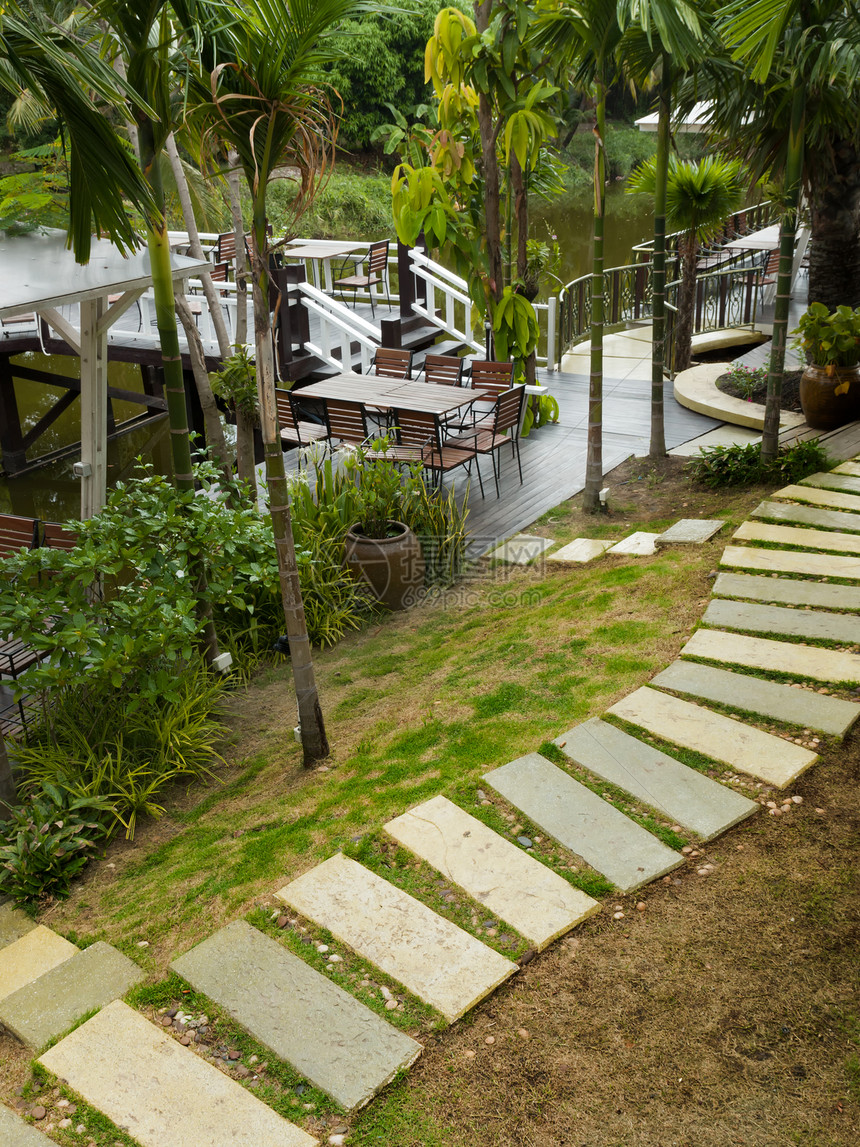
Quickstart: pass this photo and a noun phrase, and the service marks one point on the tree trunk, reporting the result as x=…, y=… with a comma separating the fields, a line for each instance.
x=787, y=232
x=235, y=196
x=195, y=250
x=490, y=169
x=211, y=415
x=594, y=449
x=8, y=795
x=834, y=254
x=686, y=302
x=521, y=210
x=314, y=741
x=657, y=447
x=245, y=465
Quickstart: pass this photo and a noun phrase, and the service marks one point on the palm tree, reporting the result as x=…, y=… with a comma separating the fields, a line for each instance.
x=788, y=101
x=588, y=34
x=699, y=196
x=666, y=37
x=263, y=94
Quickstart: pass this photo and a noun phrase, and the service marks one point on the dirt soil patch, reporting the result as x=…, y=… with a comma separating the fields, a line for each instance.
x=758, y=394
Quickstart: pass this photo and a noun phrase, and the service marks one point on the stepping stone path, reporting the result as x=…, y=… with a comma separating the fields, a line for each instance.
x=655, y=779
x=788, y=703
x=584, y=823
x=806, y=661
x=807, y=516
x=164, y=1094
x=641, y=544
x=791, y=561
x=527, y=895
x=161, y=1092
x=817, y=497
x=792, y=536
x=745, y=749
x=819, y=624
x=433, y=958
x=522, y=549
x=326, y=1034
x=787, y=591
x=579, y=550
x=690, y=532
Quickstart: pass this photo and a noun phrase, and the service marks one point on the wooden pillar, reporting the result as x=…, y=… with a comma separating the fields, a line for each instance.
x=11, y=437
x=94, y=400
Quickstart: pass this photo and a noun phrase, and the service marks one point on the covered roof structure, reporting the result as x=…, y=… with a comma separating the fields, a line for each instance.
x=40, y=274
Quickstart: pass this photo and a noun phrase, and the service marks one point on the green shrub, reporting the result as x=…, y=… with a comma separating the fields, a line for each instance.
x=742, y=465
x=348, y=206
x=47, y=841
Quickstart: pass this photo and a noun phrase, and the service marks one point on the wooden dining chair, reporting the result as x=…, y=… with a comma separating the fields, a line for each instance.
x=377, y=272
x=443, y=369
x=503, y=429
x=422, y=437
x=391, y=362
x=294, y=430
x=17, y=533
x=347, y=421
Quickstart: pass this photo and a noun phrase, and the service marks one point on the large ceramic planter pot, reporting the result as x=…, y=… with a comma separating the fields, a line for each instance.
x=392, y=567
x=823, y=408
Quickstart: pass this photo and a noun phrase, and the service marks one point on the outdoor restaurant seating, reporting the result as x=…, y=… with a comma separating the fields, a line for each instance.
x=503, y=429
x=17, y=533
x=347, y=421
x=443, y=370
x=377, y=272
x=491, y=379
x=422, y=437
x=296, y=431
x=392, y=362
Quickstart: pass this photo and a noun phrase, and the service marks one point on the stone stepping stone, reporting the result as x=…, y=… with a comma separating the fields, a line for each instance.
x=433, y=958
x=579, y=820
x=509, y=883
x=29, y=957
x=745, y=749
x=755, y=618
x=786, y=703
x=159, y=1091
x=828, y=481
x=640, y=544
x=579, y=550
x=807, y=515
x=655, y=779
x=848, y=468
x=522, y=549
x=13, y=924
x=806, y=661
x=788, y=591
x=690, y=532
x=792, y=561
x=45, y=1008
x=792, y=536
x=15, y=1132
x=326, y=1034
x=833, y=499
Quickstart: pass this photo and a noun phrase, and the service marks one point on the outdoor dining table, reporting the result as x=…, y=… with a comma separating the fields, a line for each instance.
x=391, y=393
x=321, y=255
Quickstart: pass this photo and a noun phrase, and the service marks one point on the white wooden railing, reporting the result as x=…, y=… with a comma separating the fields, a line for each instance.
x=339, y=328
x=456, y=309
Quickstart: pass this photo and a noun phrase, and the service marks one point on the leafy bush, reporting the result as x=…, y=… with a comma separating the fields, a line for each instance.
x=748, y=380
x=349, y=205
x=46, y=842
x=742, y=465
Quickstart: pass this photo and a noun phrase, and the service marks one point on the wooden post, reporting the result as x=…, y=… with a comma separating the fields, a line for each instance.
x=11, y=438
x=94, y=399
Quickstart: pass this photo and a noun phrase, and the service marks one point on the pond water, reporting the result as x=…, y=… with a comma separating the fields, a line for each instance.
x=52, y=492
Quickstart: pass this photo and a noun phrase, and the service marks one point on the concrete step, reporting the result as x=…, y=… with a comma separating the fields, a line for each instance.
x=13, y=924
x=807, y=515
x=690, y=532
x=326, y=1034
x=539, y=903
x=791, y=561
x=655, y=779
x=756, y=618
x=831, y=481
x=848, y=468
x=813, y=496
x=433, y=958
x=46, y=1007
x=793, y=536
x=579, y=820
x=788, y=591
x=30, y=956
x=788, y=703
x=807, y=661
x=14, y=1132
x=162, y=1093
x=744, y=748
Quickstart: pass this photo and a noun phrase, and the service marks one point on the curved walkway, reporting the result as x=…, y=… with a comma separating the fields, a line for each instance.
x=747, y=704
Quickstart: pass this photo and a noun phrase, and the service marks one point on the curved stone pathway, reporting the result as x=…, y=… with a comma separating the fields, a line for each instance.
x=750, y=655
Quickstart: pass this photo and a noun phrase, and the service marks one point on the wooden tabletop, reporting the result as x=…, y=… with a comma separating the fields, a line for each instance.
x=390, y=393
x=320, y=250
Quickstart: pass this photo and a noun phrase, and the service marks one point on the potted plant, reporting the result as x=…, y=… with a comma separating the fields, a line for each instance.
x=382, y=551
x=830, y=384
